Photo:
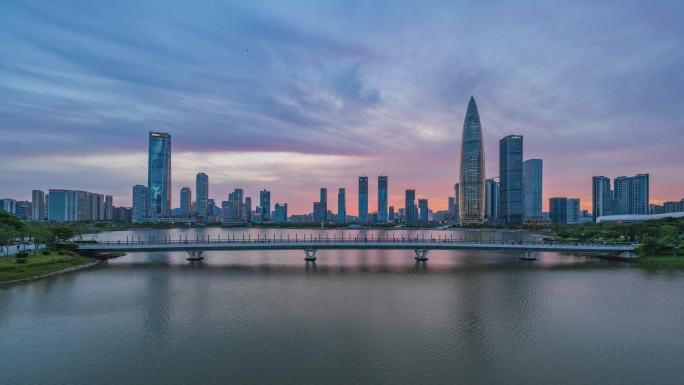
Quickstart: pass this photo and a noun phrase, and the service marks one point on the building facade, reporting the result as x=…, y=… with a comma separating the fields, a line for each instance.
x=532, y=188
x=511, y=207
x=159, y=176
x=491, y=199
x=363, y=200
x=424, y=211
x=139, y=207
x=341, y=206
x=564, y=210
x=38, y=199
x=410, y=207
x=186, y=202
x=265, y=205
x=202, y=196
x=472, y=171
x=382, y=199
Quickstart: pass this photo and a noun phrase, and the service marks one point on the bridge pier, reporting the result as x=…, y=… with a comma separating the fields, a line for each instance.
x=195, y=255
x=528, y=255
x=421, y=254
x=310, y=254
x=627, y=254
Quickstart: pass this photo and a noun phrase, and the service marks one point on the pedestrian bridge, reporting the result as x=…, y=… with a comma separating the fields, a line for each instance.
x=310, y=245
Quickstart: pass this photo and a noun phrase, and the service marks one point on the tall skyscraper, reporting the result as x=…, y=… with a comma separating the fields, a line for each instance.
x=601, y=195
x=324, y=198
x=341, y=206
x=159, y=175
x=265, y=205
x=424, y=211
x=511, y=179
x=139, y=207
x=472, y=194
x=382, y=199
x=185, y=202
x=202, y=196
x=491, y=199
x=410, y=207
x=320, y=208
x=38, y=200
x=363, y=200
x=532, y=190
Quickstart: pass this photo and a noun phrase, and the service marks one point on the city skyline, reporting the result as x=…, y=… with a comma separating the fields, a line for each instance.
x=297, y=105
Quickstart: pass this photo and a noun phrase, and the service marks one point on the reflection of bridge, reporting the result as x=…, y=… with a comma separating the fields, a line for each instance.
x=420, y=245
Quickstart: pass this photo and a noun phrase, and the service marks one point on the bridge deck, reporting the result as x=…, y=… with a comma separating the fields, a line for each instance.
x=328, y=244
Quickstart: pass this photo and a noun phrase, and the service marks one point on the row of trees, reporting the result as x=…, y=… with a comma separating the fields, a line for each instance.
x=14, y=231
x=664, y=236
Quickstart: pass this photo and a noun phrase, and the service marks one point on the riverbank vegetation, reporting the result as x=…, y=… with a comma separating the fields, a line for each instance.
x=660, y=242
x=27, y=265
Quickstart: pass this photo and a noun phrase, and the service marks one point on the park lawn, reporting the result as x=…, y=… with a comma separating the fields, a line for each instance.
x=38, y=264
x=662, y=260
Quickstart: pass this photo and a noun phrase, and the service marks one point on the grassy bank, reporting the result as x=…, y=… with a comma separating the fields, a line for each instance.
x=662, y=260
x=12, y=268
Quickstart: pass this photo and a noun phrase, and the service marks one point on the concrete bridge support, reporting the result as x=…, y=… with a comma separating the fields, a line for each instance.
x=310, y=254
x=528, y=255
x=195, y=255
x=421, y=254
x=627, y=254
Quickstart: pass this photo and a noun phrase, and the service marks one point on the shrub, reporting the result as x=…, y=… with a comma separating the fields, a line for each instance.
x=60, y=253
x=46, y=252
x=22, y=255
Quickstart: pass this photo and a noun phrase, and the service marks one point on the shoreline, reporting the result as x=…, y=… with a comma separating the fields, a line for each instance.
x=52, y=273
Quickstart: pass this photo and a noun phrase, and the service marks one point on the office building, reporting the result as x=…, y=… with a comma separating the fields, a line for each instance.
x=472, y=175
x=532, y=188
x=392, y=217
x=159, y=176
x=8, y=205
x=564, y=210
x=630, y=195
x=185, y=202
x=410, y=207
x=265, y=205
x=363, y=200
x=424, y=211
x=246, y=210
x=491, y=199
x=382, y=199
x=601, y=197
x=202, y=196
x=139, y=207
x=280, y=213
x=39, y=212
x=511, y=204
x=341, y=206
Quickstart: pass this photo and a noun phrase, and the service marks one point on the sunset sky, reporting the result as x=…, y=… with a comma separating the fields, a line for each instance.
x=297, y=95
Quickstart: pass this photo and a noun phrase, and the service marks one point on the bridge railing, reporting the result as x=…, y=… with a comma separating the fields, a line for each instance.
x=153, y=241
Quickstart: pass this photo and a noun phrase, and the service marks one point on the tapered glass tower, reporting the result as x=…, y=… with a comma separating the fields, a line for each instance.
x=159, y=176
x=472, y=182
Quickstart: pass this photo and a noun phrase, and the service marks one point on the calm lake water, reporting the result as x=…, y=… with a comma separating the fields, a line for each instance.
x=352, y=317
